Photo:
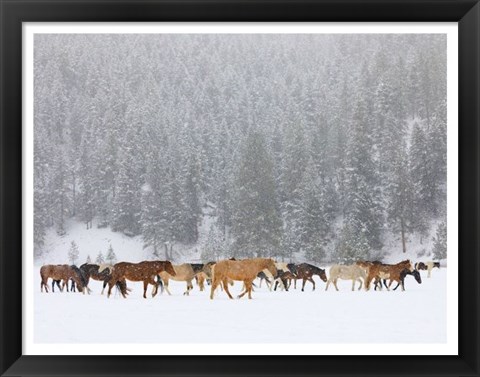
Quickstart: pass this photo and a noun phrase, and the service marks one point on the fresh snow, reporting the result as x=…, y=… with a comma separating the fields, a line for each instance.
x=417, y=315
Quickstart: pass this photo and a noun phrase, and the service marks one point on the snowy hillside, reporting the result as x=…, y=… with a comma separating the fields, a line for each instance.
x=92, y=241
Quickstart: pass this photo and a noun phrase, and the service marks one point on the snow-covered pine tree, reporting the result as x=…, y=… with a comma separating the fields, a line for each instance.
x=73, y=253
x=111, y=258
x=256, y=221
x=400, y=195
x=351, y=246
x=126, y=211
x=89, y=260
x=214, y=248
x=100, y=259
x=440, y=242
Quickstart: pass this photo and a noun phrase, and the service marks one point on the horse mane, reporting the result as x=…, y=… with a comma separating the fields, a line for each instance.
x=80, y=274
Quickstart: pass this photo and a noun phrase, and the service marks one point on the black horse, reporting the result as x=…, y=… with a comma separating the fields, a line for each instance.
x=406, y=272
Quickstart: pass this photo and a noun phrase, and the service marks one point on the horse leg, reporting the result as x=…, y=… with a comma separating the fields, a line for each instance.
x=189, y=288
x=214, y=286
x=155, y=286
x=303, y=284
x=249, y=288
x=165, y=284
x=312, y=281
x=389, y=284
x=225, y=288
x=328, y=283
x=145, y=286
x=104, y=285
x=110, y=286
x=353, y=284
x=367, y=282
x=361, y=283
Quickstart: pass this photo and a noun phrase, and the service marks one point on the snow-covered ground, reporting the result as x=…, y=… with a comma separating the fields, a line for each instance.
x=417, y=315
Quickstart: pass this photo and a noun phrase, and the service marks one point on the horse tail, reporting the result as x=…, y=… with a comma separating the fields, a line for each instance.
x=160, y=284
x=122, y=287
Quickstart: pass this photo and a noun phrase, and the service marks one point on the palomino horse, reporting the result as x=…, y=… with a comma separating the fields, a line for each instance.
x=406, y=272
x=387, y=271
x=243, y=270
x=143, y=271
x=97, y=272
x=183, y=272
x=62, y=272
x=306, y=271
x=354, y=273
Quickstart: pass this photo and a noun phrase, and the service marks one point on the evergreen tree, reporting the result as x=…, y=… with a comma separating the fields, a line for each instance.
x=73, y=253
x=401, y=205
x=100, y=259
x=89, y=260
x=256, y=220
x=352, y=245
x=215, y=247
x=111, y=257
x=440, y=242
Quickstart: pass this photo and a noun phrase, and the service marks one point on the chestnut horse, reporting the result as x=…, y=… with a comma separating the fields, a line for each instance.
x=387, y=271
x=243, y=270
x=62, y=272
x=143, y=271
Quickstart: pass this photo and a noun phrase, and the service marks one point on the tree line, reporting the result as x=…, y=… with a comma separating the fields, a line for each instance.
x=323, y=144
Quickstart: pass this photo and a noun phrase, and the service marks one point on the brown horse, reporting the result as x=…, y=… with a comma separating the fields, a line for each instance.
x=183, y=272
x=306, y=271
x=143, y=271
x=244, y=270
x=386, y=271
x=62, y=272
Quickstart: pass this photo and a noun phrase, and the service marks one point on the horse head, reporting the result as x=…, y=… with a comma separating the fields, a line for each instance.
x=79, y=279
x=322, y=275
x=417, y=276
x=169, y=268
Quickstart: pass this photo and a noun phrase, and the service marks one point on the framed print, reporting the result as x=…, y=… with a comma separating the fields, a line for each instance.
x=318, y=160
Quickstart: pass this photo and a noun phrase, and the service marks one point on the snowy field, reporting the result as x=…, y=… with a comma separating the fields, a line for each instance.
x=417, y=315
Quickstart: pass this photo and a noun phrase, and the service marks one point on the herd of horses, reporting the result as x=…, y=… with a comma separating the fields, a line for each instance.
x=222, y=274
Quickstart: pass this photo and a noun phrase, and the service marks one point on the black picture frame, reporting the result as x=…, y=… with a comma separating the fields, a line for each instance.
x=14, y=12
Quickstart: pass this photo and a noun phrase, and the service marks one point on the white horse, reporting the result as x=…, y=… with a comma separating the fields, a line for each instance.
x=430, y=265
x=354, y=273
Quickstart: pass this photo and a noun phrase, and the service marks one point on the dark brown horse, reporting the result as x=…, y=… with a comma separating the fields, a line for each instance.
x=144, y=271
x=94, y=272
x=62, y=272
x=306, y=271
x=406, y=272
